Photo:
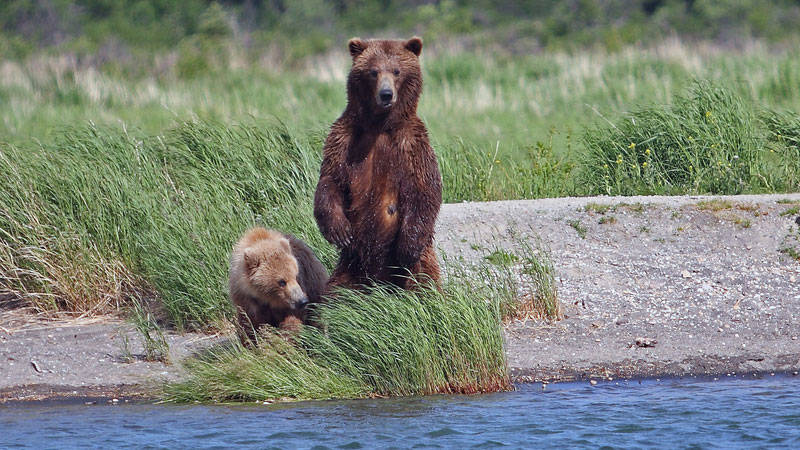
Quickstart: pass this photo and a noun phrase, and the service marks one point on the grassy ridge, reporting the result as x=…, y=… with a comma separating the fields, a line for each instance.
x=378, y=342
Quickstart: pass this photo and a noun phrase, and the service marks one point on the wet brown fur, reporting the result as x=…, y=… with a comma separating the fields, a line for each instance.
x=380, y=189
x=260, y=261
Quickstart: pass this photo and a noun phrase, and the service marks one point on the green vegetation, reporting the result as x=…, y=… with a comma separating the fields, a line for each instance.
x=791, y=211
x=709, y=141
x=637, y=207
x=726, y=210
x=744, y=223
x=598, y=208
x=526, y=275
x=501, y=257
x=607, y=220
x=791, y=243
x=540, y=296
x=202, y=28
x=377, y=342
x=274, y=370
x=144, y=321
x=714, y=205
x=579, y=227
x=167, y=208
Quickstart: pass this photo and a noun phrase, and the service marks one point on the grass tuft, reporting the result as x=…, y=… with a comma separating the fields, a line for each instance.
x=156, y=347
x=525, y=278
x=791, y=243
x=714, y=205
x=274, y=370
x=598, y=208
x=578, y=227
x=607, y=220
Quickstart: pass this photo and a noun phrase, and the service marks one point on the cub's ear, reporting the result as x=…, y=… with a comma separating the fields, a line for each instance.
x=414, y=45
x=286, y=246
x=356, y=46
x=250, y=258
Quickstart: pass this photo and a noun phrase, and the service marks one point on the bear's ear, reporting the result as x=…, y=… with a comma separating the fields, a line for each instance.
x=356, y=46
x=286, y=246
x=250, y=258
x=414, y=45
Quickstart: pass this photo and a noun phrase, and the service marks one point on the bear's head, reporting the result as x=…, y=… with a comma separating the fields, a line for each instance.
x=272, y=272
x=385, y=75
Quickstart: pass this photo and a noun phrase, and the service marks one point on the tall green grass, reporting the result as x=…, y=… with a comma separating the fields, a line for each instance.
x=166, y=208
x=377, y=342
x=105, y=214
x=709, y=140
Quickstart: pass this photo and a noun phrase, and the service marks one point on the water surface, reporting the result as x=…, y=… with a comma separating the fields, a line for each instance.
x=727, y=413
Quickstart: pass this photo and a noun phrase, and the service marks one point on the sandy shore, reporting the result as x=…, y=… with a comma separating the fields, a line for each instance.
x=704, y=291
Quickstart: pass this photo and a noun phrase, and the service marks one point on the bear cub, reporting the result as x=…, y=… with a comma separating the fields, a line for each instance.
x=273, y=277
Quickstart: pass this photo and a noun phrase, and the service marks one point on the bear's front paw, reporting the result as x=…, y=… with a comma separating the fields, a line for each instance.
x=341, y=236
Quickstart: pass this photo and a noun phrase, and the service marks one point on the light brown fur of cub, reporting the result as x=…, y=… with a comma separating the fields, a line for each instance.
x=273, y=277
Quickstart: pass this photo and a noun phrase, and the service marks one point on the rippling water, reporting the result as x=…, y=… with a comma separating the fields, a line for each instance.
x=673, y=413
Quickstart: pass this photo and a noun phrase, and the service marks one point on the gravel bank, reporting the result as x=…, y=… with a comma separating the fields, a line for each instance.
x=704, y=289
x=704, y=283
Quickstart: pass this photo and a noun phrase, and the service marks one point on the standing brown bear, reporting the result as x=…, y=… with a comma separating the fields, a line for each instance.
x=380, y=190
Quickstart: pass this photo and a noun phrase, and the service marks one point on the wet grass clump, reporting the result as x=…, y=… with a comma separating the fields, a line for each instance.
x=380, y=341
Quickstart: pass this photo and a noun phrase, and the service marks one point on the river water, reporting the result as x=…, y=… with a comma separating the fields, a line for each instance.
x=727, y=413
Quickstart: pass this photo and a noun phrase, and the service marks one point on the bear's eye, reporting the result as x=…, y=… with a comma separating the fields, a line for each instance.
x=374, y=73
x=282, y=283
x=396, y=72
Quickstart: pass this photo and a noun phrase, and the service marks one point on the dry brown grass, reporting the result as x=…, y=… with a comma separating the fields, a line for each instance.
x=62, y=275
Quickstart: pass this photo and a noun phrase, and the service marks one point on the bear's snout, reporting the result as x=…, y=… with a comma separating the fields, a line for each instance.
x=298, y=298
x=386, y=93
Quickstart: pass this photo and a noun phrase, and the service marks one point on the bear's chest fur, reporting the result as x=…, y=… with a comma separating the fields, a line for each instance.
x=375, y=178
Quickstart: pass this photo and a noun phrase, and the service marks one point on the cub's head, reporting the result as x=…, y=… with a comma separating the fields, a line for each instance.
x=385, y=75
x=272, y=271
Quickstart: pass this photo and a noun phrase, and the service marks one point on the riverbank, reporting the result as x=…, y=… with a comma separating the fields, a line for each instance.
x=650, y=286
